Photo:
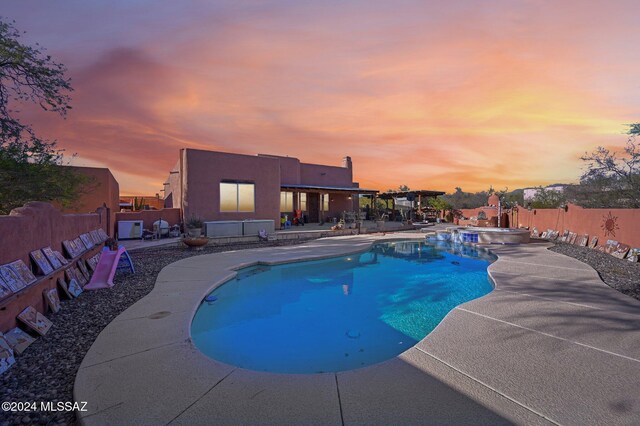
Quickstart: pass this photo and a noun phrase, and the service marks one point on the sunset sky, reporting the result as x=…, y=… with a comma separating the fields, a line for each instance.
x=432, y=94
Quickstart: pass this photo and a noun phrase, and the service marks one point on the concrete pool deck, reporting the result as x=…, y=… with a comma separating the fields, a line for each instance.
x=551, y=344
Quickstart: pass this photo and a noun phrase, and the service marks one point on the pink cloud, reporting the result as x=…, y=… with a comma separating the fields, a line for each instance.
x=430, y=95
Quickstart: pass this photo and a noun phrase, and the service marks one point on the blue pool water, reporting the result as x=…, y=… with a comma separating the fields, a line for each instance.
x=341, y=313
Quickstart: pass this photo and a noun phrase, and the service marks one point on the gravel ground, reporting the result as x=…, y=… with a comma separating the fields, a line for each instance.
x=47, y=369
x=619, y=274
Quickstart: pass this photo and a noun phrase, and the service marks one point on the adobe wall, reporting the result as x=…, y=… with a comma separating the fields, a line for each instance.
x=490, y=211
x=289, y=168
x=194, y=183
x=173, y=186
x=622, y=225
x=172, y=216
x=106, y=191
x=153, y=201
x=204, y=170
x=32, y=227
x=317, y=174
x=339, y=203
x=470, y=212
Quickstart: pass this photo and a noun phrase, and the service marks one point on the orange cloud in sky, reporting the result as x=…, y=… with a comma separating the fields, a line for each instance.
x=429, y=94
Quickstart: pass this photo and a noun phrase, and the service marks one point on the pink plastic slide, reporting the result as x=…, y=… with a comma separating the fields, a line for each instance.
x=103, y=275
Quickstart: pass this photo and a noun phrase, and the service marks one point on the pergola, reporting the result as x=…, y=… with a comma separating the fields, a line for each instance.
x=412, y=196
x=403, y=194
x=328, y=189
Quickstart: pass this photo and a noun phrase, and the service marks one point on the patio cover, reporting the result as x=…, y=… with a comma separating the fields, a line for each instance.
x=319, y=188
x=419, y=192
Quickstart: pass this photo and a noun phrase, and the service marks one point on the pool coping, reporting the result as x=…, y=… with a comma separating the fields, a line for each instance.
x=144, y=368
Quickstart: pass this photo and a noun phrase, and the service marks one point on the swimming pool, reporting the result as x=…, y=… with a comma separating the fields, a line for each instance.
x=340, y=313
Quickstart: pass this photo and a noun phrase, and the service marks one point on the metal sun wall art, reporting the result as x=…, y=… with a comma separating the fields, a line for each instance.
x=610, y=225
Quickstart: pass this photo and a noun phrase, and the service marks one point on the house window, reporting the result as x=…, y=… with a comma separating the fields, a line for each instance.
x=286, y=201
x=303, y=201
x=237, y=197
x=325, y=202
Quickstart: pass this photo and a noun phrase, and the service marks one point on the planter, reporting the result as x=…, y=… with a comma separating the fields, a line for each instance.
x=194, y=232
x=196, y=243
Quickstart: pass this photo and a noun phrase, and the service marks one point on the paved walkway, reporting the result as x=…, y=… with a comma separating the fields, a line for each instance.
x=551, y=344
x=132, y=245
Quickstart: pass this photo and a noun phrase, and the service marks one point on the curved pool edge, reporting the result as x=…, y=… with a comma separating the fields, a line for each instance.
x=488, y=261
x=182, y=375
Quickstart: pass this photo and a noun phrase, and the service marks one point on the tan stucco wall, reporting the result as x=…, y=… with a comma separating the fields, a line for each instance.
x=193, y=185
x=586, y=221
x=317, y=174
x=32, y=227
x=105, y=191
x=170, y=215
x=173, y=187
x=289, y=168
x=204, y=170
x=153, y=201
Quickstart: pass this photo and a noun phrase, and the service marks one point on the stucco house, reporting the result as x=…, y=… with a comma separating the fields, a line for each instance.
x=218, y=186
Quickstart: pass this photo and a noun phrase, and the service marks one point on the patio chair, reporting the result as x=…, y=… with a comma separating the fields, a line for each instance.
x=148, y=235
x=298, y=218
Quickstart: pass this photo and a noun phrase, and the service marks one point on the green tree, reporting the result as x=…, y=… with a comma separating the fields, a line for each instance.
x=510, y=199
x=439, y=204
x=29, y=165
x=611, y=180
x=547, y=199
x=467, y=200
x=401, y=188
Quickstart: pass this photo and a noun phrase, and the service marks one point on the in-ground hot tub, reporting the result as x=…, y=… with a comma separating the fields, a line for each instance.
x=487, y=235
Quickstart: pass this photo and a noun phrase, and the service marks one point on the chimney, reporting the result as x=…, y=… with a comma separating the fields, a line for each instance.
x=346, y=163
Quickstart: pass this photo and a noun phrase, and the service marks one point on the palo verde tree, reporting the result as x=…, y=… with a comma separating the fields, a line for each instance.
x=439, y=205
x=547, y=198
x=611, y=179
x=29, y=165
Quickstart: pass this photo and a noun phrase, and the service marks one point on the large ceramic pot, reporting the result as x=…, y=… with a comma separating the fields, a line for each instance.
x=194, y=232
x=196, y=243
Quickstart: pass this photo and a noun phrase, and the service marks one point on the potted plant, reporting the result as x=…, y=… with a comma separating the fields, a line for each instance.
x=197, y=243
x=194, y=226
